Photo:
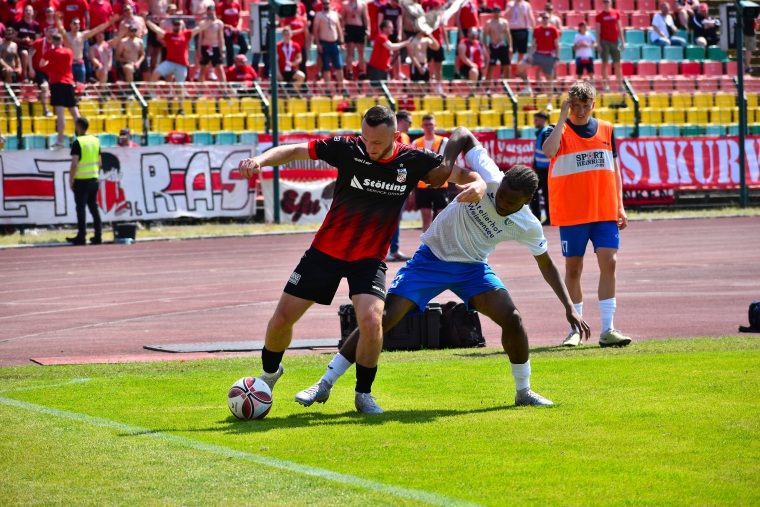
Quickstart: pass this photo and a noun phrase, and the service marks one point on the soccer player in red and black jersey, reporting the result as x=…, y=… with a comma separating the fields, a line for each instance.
x=375, y=175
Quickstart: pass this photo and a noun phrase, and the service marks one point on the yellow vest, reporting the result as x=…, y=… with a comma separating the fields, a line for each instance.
x=88, y=165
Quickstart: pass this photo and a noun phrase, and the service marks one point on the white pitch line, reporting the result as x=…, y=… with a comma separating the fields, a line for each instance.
x=350, y=480
x=75, y=381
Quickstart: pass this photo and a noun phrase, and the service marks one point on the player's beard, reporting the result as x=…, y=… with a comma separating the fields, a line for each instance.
x=385, y=153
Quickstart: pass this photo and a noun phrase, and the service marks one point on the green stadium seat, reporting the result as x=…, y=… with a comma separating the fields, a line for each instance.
x=53, y=138
x=635, y=37
x=715, y=130
x=672, y=53
x=566, y=53
x=226, y=138
x=568, y=36
x=137, y=139
x=669, y=130
x=249, y=138
x=623, y=131
x=528, y=132
x=651, y=53
x=155, y=139
x=11, y=142
x=505, y=133
x=733, y=130
x=647, y=130
x=203, y=138
x=447, y=70
x=631, y=54
x=755, y=129
x=108, y=140
x=684, y=34
x=694, y=53
x=716, y=53
x=692, y=130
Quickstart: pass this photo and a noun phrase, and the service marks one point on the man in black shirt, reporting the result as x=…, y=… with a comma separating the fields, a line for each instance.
x=375, y=176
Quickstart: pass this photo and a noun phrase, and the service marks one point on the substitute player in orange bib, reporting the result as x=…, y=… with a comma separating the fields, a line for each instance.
x=586, y=202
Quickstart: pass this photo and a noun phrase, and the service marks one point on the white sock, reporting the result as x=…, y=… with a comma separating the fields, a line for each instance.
x=337, y=367
x=521, y=373
x=607, y=311
x=579, y=309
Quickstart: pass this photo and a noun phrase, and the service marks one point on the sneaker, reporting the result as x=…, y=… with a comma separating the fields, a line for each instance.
x=526, y=397
x=606, y=88
x=271, y=378
x=57, y=146
x=319, y=392
x=549, y=107
x=365, y=403
x=47, y=114
x=613, y=338
x=397, y=257
x=76, y=240
x=572, y=340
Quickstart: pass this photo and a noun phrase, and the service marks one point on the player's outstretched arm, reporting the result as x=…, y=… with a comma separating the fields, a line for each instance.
x=553, y=277
x=461, y=141
x=276, y=156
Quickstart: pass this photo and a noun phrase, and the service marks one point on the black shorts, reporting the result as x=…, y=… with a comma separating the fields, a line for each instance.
x=520, y=40
x=464, y=71
x=287, y=75
x=416, y=76
x=40, y=77
x=153, y=40
x=62, y=94
x=435, y=55
x=500, y=55
x=582, y=64
x=318, y=275
x=355, y=34
x=432, y=198
x=211, y=54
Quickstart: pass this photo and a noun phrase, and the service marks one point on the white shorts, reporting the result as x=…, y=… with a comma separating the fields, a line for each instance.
x=167, y=68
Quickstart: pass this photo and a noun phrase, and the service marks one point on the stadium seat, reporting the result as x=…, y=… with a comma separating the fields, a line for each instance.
x=466, y=118
x=328, y=121
x=681, y=100
x=34, y=142
x=203, y=138
x=651, y=53
x=11, y=142
x=647, y=130
x=572, y=20
x=712, y=68
x=159, y=123
x=351, y=121
x=456, y=103
x=444, y=119
x=583, y=5
x=694, y=53
x=640, y=20
x=210, y=122
x=304, y=121
x=249, y=105
x=721, y=115
x=672, y=53
x=668, y=68
x=646, y=68
x=697, y=116
x=108, y=140
x=44, y=125
x=716, y=53
x=669, y=130
x=249, y=138
x=489, y=119
x=53, y=138
x=505, y=133
x=631, y=54
x=715, y=130
x=626, y=116
x=319, y=105
x=233, y=122
x=568, y=35
x=692, y=130
x=732, y=68
x=226, y=138
x=673, y=115
x=155, y=139
x=187, y=123
x=527, y=132
x=623, y=131
x=625, y=5
x=691, y=68
x=257, y=122
x=725, y=100
x=364, y=103
x=634, y=37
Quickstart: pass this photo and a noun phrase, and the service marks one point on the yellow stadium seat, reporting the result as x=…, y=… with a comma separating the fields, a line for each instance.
x=417, y=118
x=703, y=100
x=671, y=115
x=725, y=100
x=160, y=123
x=26, y=124
x=97, y=124
x=525, y=100
x=134, y=108
x=112, y=108
x=660, y=100
x=605, y=114
x=525, y=118
x=233, y=122
x=455, y=103
x=364, y=103
x=158, y=106
x=135, y=123
x=36, y=109
x=186, y=123
x=44, y=125
x=229, y=106
x=444, y=119
x=319, y=105
x=68, y=128
x=500, y=103
x=478, y=103
x=213, y=122
x=249, y=105
x=257, y=122
x=432, y=102
x=626, y=116
x=490, y=118
x=351, y=121
x=507, y=119
x=205, y=106
x=305, y=121
x=651, y=115
x=610, y=98
x=88, y=108
x=721, y=115
x=752, y=99
x=466, y=118
x=328, y=121
x=284, y=122
x=298, y=105
x=697, y=116
x=681, y=100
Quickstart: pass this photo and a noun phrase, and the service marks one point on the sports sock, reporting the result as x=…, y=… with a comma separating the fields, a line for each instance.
x=579, y=309
x=607, y=311
x=521, y=373
x=364, y=378
x=271, y=360
x=337, y=367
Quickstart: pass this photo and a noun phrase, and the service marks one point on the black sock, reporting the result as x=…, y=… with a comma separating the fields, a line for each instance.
x=364, y=378
x=271, y=360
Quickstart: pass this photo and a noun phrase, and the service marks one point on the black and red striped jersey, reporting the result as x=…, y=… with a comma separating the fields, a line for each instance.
x=368, y=195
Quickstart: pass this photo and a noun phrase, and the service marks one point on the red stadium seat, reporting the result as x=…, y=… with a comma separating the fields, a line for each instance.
x=732, y=68
x=662, y=84
x=727, y=84
x=640, y=20
x=691, y=68
x=668, y=68
x=711, y=68
x=709, y=83
x=647, y=68
x=628, y=68
x=625, y=5
x=560, y=6
x=538, y=6
x=583, y=5
x=562, y=69
x=650, y=6
x=573, y=19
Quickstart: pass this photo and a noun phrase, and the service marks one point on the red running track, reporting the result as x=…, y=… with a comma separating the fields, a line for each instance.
x=676, y=279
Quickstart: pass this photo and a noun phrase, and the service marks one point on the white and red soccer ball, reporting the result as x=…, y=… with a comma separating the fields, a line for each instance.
x=249, y=398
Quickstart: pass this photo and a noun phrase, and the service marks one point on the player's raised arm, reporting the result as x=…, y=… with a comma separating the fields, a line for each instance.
x=276, y=156
x=460, y=142
x=551, y=274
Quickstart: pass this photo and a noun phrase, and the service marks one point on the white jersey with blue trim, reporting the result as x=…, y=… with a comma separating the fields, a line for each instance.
x=468, y=232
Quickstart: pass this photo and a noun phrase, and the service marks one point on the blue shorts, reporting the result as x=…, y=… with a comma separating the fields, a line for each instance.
x=574, y=238
x=331, y=54
x=426, y=276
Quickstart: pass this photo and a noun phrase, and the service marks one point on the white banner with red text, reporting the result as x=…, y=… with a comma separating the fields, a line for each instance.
x=146, y=183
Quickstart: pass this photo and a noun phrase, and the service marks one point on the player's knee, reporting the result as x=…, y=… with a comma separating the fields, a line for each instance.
x=511, y=322
x=370, y=324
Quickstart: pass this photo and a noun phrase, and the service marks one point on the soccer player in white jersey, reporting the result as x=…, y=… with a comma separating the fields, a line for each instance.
x=453, y=256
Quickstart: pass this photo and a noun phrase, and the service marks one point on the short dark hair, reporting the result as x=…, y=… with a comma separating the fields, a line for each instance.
x=403, y=115
x=386, y=22
x=428, y=117
x=521, y=178
x=380, y=115
x=82, y=122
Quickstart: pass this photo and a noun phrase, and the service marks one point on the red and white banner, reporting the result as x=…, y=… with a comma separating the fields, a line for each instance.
x=146, y=183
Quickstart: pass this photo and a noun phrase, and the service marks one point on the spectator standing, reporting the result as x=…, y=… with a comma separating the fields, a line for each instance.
x=586, y=200
x=125, y=139
x=9, y=59
x=519, y=13
x=417, y=49
x=496, y=33
x=544, y=53
x=380, y=58
x=83, y=180
x=663, y=32
x=100, y=12
x=300, y=34
x=229, y=12
x=704, y=27
x=436, y=57
x=554, y=20
x=472, y=56
x=467, y=19
x=289, y=59
x=356, y=26
x=39, y=7
x=75, y=9
x=212, y=46
x=129, y=20
x=609, y=29
x=130, y=55
x=373, y=10
x=76, y=39
x=750, y=40
x=430, y=200
x=541, y=166
x=393, y=11
x=57, y=63
x=27, y=32
x=49, y=19
x=38, y=48
x=11, y=12
x=328, y=32
x=584, y=44
x=158, y=9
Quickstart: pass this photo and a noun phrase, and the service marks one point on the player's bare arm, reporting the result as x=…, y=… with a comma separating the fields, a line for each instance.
x=276, y=156
x=622, y=218
x=552, y=143
x=551, y=274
